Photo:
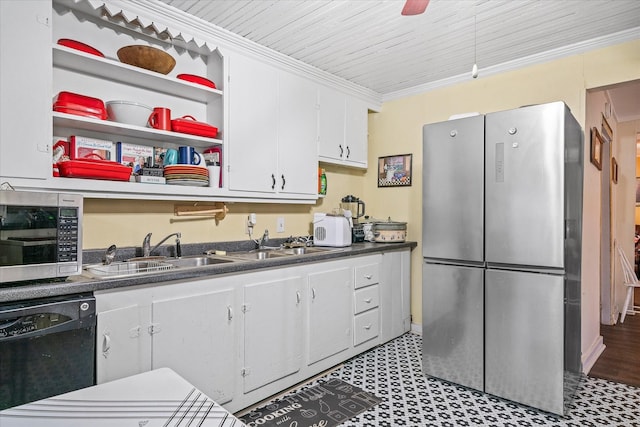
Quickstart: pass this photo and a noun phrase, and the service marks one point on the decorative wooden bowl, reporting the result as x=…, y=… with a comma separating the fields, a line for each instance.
x=147, y=57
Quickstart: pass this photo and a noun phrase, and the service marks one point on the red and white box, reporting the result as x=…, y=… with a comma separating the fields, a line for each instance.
x=82, y=147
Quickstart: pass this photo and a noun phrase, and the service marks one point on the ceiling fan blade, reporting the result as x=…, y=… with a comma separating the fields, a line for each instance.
x=414, y=7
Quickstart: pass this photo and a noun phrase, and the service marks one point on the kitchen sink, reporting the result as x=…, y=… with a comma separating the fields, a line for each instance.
x=125, y=268
x=197, y=261
x=259, y=254
x=146, y=266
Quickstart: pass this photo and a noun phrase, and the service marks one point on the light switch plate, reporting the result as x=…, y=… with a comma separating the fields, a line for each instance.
x=280, y=225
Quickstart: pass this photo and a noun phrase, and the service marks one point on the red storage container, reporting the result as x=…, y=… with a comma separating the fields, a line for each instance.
x=188, y=124
x=81, y=105
x=95, y=169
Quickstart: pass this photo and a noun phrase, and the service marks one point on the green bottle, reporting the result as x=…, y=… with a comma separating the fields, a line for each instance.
x=323, y=183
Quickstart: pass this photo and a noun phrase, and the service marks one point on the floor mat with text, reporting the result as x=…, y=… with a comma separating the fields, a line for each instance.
x=326, y=404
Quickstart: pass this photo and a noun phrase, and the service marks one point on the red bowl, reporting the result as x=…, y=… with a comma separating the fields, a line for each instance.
x=197, y=79
x=73, y=44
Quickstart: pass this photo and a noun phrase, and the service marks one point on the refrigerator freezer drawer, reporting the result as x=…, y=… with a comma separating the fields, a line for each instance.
x=452, y=324
x=524, y=338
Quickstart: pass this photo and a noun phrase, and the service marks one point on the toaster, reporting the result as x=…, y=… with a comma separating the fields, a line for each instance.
x=331, y=230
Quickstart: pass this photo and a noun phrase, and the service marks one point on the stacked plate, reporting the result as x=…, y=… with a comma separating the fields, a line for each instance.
x=196, y=176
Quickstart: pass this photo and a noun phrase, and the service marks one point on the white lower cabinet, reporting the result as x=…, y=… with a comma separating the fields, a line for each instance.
x=184, y=326
x=195, y=335
x=244, y=337
x=329, y=315
x=124, y=346
x=272, y=348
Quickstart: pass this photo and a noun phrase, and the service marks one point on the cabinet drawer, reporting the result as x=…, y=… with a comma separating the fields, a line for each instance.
x=366, y=326
x=367, y=275
x=366, y=298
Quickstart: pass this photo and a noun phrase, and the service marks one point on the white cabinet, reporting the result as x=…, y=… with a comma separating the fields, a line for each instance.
x=25, y=85
x=195, y=336
x=243, y=337
x=272, y=310
x=395, y=303
x=272, y=130
x=342, y=129
x=329, y=296
x=123, y=345
x=188, y=327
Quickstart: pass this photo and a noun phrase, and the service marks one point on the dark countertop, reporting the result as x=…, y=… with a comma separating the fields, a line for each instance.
x=80, y=284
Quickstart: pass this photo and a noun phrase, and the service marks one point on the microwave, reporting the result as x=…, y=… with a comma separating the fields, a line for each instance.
x=40, y=235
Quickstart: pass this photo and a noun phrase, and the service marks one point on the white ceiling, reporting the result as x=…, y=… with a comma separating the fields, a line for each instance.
x=370, y=43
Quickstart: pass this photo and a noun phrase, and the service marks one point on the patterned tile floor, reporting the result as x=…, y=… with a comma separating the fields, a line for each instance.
x=393, y=372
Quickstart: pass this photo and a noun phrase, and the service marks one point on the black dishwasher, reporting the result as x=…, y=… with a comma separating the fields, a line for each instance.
x=47, y=347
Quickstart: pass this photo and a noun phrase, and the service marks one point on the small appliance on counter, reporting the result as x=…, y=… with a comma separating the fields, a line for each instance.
x=356, y=210
x=331, y=230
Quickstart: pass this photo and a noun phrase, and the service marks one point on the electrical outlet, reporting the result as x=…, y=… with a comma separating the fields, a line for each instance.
x=251, y=221
x=280, y=225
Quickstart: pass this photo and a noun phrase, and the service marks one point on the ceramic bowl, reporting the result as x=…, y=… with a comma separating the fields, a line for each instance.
x=128, y=112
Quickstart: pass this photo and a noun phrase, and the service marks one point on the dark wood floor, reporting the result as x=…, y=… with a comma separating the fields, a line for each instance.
x=620, y=361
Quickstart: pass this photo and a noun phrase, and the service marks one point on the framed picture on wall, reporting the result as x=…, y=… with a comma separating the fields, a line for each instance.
x=638, y=191
x=596, y=148
x=395, y=171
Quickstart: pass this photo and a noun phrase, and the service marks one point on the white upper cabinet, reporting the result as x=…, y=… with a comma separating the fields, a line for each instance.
x=273, y=127
x=342, y=129
x=25, y=116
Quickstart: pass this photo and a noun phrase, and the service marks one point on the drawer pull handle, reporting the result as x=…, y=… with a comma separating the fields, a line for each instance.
x=368, y=300
x=297, y=297
x=368, y=326
x=368, y=276
x=229, y=312
x=313, y=293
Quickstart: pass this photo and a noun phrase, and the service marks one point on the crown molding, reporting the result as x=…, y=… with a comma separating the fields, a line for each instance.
x=550, y=55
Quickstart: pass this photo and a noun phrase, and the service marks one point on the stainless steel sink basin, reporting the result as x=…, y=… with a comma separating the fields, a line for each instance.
x=125, y=268
x=197, y=261
x=259, y=254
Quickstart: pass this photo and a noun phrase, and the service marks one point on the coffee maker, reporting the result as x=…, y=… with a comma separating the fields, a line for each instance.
x=356, y=207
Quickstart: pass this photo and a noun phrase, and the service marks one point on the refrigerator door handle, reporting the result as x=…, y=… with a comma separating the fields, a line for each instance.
x=458, y=262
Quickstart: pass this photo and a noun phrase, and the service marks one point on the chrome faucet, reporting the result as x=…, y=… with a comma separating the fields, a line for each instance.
x=147, y=250
x=263, y=239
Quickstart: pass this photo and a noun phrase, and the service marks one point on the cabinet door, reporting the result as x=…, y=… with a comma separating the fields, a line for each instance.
x=272, y=331
x=330, y=312
x=252, y=133
x=331, y=124
x=356, y=131
x=395, y=289
x=26, y=86
x=297, y=136
x=123, y=345
x=194, y=336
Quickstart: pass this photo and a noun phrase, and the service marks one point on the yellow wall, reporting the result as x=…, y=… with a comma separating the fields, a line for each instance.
x=397, y=129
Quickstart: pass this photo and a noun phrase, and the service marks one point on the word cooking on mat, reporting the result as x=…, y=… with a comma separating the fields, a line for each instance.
x=324, y=405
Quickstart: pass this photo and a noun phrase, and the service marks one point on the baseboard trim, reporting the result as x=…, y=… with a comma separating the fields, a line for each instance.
x=416, y=328
x=591, y=356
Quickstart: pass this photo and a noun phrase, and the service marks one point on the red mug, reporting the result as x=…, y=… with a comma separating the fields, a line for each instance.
x=160, y=118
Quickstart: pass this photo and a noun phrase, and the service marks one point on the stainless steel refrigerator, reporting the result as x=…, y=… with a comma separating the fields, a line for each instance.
x=502, y=223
